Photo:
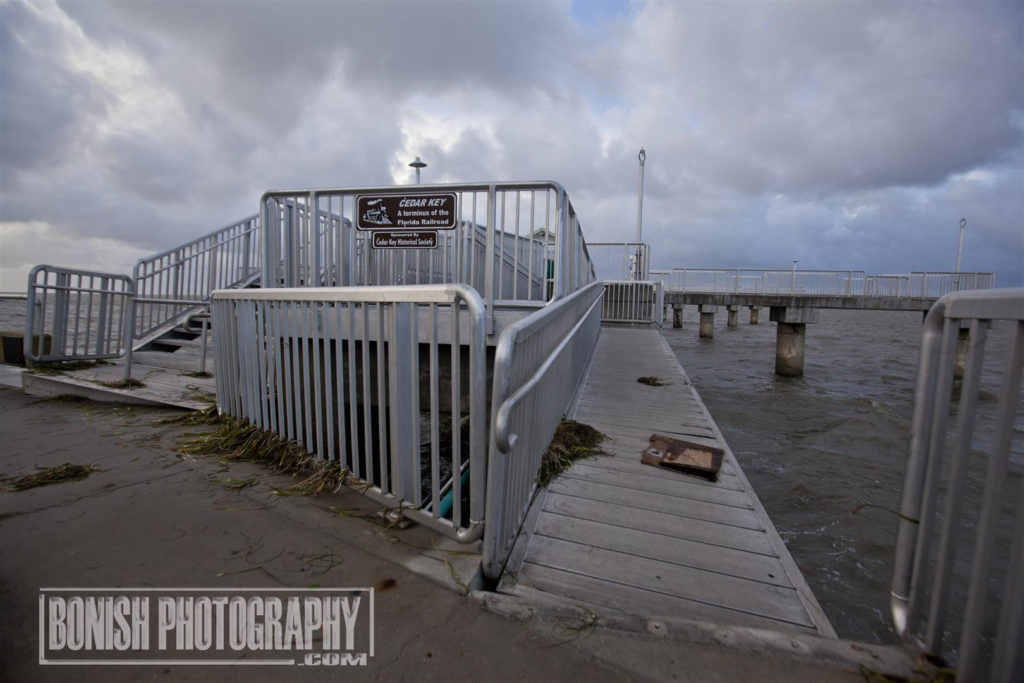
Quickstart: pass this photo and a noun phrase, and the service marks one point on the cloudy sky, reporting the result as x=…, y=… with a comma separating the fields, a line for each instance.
x=847, y=135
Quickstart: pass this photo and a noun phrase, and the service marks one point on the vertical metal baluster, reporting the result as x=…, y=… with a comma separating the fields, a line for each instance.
x=456, y=361
x=353, y=406
x=435, y=399
x=1008, y=643
x=364, y=346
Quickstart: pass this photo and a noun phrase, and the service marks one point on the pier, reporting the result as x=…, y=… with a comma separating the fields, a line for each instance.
x=434, y=378
x=794, y=297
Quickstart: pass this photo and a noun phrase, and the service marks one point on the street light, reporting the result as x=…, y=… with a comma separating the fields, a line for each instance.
x=959, y=251
x=638, y=266
x=418, y=164
x=960, y=247
x=793, y=285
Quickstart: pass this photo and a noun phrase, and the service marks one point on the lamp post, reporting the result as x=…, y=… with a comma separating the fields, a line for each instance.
x=639, y=266
x=959, y=251
x=418, y=164
x=793, y=285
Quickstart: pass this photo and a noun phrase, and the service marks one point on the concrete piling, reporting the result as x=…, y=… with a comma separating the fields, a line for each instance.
x=707, y=321
x=790, y=337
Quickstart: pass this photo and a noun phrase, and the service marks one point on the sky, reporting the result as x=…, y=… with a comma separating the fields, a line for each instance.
x=842, y=134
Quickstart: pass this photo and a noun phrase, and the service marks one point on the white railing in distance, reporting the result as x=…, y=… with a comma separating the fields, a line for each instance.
x=628, y=301
x=819, y=282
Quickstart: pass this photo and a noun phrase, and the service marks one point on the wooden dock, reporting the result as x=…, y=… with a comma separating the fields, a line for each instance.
x=614, y=534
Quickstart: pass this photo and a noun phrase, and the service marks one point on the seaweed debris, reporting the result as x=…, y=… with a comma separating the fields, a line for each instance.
x=49, y=475
x=572, y=441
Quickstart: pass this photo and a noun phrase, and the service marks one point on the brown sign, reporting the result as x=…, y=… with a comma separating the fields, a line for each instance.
x=404, y=239
x=406, y=212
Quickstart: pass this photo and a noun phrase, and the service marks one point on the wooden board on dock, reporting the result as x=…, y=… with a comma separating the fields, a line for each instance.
x=616, y=535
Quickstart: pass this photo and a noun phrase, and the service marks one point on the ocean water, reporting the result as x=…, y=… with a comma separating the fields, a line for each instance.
x=825, y=452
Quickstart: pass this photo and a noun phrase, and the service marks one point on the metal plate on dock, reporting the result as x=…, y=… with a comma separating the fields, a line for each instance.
x=683, y=456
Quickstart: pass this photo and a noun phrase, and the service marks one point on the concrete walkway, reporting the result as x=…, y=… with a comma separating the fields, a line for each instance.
x=154, y=517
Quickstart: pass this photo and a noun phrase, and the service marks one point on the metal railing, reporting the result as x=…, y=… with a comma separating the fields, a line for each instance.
x=620, y=260
x=171, y=283
x=388, y=382
x=819, y=282
x=539, y=364
x=75, y=314
x=512, y=242
x=958, y=583
x=628, y=301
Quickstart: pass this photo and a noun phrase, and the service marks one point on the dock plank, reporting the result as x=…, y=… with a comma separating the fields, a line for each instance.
x=668, y=578
x=709, y=533
x=598, y=595
x=634, y=503
x=665, y=547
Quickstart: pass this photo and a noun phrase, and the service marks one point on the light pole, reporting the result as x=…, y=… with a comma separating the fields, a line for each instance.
x=418, y=164
x=793, y=285
x=639, y=266
x=959, y=251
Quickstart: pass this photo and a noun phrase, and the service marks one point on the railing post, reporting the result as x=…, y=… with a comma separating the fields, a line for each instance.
x=492, y=229
x=60, y=312
x=129, y=334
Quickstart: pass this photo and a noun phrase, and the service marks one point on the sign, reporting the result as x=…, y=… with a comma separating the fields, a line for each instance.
x=203, y=626
x=406, y=212
x=405, y=239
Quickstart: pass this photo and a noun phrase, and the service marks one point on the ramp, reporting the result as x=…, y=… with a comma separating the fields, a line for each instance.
x=614, y=534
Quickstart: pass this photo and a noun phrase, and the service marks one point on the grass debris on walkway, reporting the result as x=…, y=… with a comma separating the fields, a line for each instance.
x=572, y=441
x=50, y=475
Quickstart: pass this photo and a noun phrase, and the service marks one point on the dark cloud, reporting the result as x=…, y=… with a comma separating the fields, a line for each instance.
x=845, y=135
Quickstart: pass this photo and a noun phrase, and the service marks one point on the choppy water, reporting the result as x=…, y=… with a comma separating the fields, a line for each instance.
x=825, y=452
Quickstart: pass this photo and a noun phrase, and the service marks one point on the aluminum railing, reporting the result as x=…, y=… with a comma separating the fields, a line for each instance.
x=628, y=301
x=513, y=242
x=620, y=260
x=539, y=364
x=958, y=584
x=171, y=283
x=174, y=284
x=819, y=282
x=75, y=314
x=388, y=382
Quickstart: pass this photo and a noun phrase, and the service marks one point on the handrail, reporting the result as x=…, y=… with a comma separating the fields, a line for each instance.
x=937, y=500
x=539, y=363
x=172, y=284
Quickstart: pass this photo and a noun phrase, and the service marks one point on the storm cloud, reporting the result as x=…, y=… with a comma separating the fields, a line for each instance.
x=848, y=135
